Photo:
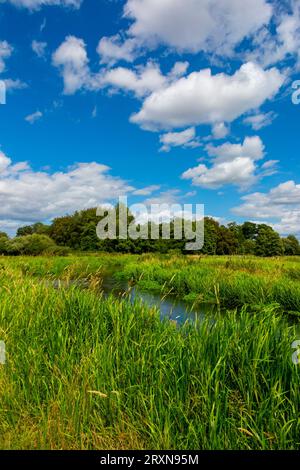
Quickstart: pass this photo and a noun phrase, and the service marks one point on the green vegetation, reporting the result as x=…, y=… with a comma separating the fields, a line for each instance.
x=230, y=282
x=84, y=372
x=33, y=244
x=78, y=232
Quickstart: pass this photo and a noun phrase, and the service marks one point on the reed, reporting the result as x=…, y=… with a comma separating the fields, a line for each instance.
x=84, y=372
x=231, y=282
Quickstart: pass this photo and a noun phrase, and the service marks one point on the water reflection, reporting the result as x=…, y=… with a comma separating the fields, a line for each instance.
x=169, y=306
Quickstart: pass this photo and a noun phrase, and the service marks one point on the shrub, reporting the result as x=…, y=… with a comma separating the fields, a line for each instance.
x=30, y=245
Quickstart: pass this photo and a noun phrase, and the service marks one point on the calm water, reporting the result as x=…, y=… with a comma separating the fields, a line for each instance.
x=169, y=306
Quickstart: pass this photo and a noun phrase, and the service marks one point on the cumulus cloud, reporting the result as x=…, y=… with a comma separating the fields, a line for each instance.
x=252, y=148
x=39, y=48
x=220, y=130
x=270, y=48
x=5, y=52
x=186, y=139
x=17, y=84
x=271, y=28
x=196, y=25
x=204, y=98
x=113, y=49
x=147, y=191
x=174, y=100
x=72, y=61
x=27, y=196
x=169, y=197
x=142, y=81
x=258, y=121
x=32, y=118
x=281, y=205
x=233, y=164
x=37, y=4
x=179, y=70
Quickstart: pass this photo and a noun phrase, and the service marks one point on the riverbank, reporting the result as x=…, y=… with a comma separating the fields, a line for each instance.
x=228, y=282
x=84, y=372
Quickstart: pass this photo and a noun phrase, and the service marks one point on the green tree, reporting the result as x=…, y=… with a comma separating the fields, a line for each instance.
x=268, y=242
x=38, y=228
x=4, y=240
x=249, y=230
x=291, y=246
x=227, y=242
x=34, y=245
x=211, y=230
x=26, y=230
x=248, y=247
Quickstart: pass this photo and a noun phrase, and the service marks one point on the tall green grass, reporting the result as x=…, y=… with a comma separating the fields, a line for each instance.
x=85, y=372
x=232, y=282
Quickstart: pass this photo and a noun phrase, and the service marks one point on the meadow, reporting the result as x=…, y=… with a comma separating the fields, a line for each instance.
x=84, y=371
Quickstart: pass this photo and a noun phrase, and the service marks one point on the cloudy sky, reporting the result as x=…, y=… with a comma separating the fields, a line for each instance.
x=177, y=101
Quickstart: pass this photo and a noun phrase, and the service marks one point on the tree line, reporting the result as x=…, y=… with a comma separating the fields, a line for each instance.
x=77, y=232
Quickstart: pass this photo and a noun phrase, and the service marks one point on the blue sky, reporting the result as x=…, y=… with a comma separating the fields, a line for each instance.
x=177, y=101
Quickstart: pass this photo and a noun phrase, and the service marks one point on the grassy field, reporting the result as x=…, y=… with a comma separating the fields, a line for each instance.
x=87, y=372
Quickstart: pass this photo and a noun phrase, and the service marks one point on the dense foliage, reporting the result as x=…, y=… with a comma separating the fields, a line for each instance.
x=78, y=232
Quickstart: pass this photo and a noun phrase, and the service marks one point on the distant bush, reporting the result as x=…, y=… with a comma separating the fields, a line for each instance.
x=33, y=245
x=58, y=251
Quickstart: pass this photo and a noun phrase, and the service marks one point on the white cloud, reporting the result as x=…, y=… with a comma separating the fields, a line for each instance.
x=171, y=196
x=112, y=49
x=32, y=118
x=270, y=48
x=271, y=28
x=14, y=84
x=233, y=164
x=203, y=98
x=94, y=112
x=147, y=191
x=141, y=82
x=179, y=70
x=27, y=196
x=71, y=58
x=173, y=101
x=186, y=138
x=43, y=25
x=72, y=61
x=252, y=148
x=280, y=205
x=220, y=130
x=37, y=4
x=238, y=172
x=196, y=25
x=5, y=52
x=258, y=121
x=39, y=48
